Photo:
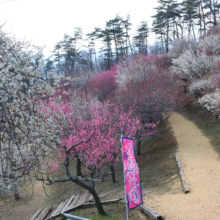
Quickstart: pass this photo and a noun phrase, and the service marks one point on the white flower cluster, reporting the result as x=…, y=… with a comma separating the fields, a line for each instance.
x=210, y=44
x=136, y=69
x=197, y=65
x=194, y=64
x=179, y=46
x=211, y=102
x=24, y=133
x=201, y=87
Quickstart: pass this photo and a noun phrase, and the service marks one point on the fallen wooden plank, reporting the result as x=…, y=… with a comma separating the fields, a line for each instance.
x=44, y=213
x=107, y=193
x=57, y=210
x=68, y=203
x=83, y=197
x=144, y=192
x=75, y=201
x=59, y=214
x=87, y=197
x=85, y=205
x=36, y=214
x=61, y=208
x=151, y=213
x=182, y=175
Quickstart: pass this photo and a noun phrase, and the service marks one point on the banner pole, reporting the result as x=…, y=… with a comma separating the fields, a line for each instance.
x=126, y=202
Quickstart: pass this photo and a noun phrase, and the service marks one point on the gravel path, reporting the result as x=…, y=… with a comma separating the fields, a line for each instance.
x=201, y=165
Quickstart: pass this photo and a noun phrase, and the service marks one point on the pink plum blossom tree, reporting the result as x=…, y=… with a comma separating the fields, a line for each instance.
x=89, y=134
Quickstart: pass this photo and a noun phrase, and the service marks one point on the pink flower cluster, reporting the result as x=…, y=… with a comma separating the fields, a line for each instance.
x=101, y=123
x=26, y=167
x=104, y=83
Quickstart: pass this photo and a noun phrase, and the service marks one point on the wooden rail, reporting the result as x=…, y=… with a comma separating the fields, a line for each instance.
x=151, y=213
x=84, y=205
x=71, y=204
x=182, y=175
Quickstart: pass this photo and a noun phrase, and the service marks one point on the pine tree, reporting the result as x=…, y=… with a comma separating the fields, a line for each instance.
x=140, y=40
x=57, y=56
x=164, y=20
x=71, y=54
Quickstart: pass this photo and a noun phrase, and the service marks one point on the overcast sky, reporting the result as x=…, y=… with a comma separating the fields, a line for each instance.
x=45, y=22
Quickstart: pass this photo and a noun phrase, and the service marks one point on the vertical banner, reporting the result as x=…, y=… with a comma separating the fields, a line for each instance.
x=132, y=174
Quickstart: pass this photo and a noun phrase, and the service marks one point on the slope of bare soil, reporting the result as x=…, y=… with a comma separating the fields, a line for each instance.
x=201, y=165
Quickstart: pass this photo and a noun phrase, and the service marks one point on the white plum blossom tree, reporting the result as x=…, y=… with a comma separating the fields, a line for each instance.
x=180, y=45
x=210, y=44
x=194, y=64
x=211, y=102
x=202, y=86
x=23, y=133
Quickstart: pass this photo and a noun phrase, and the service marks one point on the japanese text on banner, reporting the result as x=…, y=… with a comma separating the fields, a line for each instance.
x=132, y=174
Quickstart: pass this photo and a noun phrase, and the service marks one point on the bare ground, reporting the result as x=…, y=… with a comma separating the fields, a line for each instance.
x=202, y=169
x=157, y=168
x=198, y=149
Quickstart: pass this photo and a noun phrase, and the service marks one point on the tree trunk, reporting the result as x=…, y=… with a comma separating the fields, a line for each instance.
x=16, y=196
x=193, y=33
x=116, y=46
x=139, y=147
x=96, y=63
x=16, y=193
x=129, y=40
x=177, y=31
x=78, y=167
x=203, y=17
x=92, y=183
x=113, y=173
x=167, y=40
x=200, y=22
x=81, y=183
x=94, y=194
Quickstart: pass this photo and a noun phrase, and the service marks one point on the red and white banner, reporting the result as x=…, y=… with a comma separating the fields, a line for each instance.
x=132, y=174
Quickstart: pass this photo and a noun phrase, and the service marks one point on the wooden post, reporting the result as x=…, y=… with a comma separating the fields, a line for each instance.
x=182, y=175
x=151, y=213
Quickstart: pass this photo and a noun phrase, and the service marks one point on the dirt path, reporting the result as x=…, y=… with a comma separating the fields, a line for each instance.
x=201, y=165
